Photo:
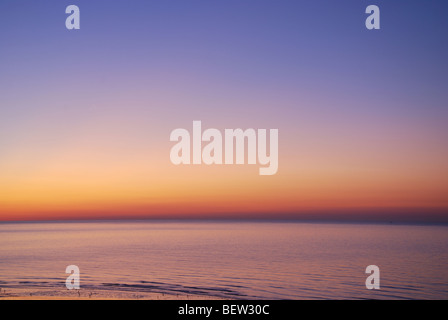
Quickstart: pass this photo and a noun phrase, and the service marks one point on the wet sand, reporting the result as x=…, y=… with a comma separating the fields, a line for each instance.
x=43, y=294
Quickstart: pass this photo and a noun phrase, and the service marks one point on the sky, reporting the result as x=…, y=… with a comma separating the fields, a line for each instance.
x=86, y=115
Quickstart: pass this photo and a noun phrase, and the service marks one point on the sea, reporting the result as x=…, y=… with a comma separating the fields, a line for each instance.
x=228, y=259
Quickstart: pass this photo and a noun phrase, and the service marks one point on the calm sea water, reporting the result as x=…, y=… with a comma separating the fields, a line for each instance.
x=240, y=260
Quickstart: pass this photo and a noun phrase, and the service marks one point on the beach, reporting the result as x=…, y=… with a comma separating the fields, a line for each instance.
x=42, y=294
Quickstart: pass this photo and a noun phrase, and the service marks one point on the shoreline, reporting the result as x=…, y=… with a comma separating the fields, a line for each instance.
x=52, y=294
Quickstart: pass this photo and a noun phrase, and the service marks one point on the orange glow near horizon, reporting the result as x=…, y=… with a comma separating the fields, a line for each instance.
x=89, y=184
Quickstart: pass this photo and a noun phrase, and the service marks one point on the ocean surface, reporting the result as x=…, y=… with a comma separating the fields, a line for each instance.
x=237, y=260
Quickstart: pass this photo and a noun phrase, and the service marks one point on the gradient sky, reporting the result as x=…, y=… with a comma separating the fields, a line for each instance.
x=85, y=115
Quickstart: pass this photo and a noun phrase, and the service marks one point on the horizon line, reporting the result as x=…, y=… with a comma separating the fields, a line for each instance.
x=236, y=220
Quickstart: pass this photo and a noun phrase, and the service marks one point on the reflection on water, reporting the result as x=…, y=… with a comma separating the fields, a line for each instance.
x=243, y=260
